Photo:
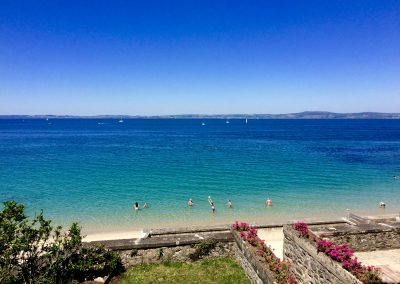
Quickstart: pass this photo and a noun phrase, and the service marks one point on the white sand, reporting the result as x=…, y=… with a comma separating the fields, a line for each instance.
x=274, y=238
x=389, y=258
x=113, y=236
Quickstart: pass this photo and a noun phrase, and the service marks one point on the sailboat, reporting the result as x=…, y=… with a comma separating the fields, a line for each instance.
x=246, y=120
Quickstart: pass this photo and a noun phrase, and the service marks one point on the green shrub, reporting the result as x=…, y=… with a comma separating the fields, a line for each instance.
x=35, y=252
x=203, y=248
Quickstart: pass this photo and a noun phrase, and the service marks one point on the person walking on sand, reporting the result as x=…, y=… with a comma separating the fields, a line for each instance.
x=269, y=201
x=190, y=203
x=229, y=204
x=136, y=206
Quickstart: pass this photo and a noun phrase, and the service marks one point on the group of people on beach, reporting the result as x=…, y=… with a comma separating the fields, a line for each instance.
x=229, y=204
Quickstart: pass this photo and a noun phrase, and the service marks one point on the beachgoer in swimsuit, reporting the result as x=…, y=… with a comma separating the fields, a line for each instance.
x=229, y=204
x=190, y=202
x=145, y=205
x=269, y=201
x=136, y=206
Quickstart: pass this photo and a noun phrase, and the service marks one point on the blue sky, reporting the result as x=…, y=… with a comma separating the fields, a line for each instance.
x=177, y=57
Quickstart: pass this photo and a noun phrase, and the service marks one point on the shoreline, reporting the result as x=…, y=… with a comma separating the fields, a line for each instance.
x=264, y=218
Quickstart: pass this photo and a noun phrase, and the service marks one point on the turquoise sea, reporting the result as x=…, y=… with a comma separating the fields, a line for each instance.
x=93, y=170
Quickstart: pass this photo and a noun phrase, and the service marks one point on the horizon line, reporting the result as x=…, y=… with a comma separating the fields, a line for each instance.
x=309, y=113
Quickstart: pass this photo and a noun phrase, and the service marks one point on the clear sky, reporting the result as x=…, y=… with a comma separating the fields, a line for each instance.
x=177, y=57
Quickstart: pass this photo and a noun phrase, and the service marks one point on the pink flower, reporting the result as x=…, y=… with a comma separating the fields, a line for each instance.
x=302, y=229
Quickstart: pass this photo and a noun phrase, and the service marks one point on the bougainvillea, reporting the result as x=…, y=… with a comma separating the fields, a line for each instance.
x=240, y=227
x=302, y=229
x=342, y=254
x=279, y=269
x=339, y=253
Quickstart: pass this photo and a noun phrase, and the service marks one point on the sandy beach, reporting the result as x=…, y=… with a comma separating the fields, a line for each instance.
x=113, y=236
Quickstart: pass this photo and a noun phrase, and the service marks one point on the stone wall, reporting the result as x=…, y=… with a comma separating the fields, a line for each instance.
x=135, y=256
x=254, y=260
x=308, y=265
x=368, y=240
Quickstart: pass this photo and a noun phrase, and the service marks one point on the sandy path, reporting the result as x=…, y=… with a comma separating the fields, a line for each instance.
x=274, y=238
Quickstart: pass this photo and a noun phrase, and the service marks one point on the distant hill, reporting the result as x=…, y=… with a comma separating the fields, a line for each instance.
x=299, y=115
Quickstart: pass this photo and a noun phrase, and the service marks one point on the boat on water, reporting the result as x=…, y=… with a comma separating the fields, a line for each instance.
x=120, y=121
x=246, y=120
x=203, y=124
x=227, y=122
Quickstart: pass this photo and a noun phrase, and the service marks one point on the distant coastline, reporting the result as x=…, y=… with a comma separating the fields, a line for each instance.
x=299, y=115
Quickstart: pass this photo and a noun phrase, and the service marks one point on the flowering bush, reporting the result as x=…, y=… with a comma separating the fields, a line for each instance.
x=369, y=274
x=302, y=229
x=279, y=269
x=240, y=227
x=339, y=253
x=342, y=254
x=251, y=237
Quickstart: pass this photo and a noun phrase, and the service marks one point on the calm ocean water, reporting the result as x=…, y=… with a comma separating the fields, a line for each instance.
x=93, y=170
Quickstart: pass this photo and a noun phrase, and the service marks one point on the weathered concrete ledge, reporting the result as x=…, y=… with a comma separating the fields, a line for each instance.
x=363, y=237
x=184, y=230
x=165, y=240
x=224, y=227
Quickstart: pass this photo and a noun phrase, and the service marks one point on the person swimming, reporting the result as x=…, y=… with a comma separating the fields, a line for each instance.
x=190, y=202
x=382, y=204
x=229, y=204
x=136, y=206
x=145, y=205
x=269, y=201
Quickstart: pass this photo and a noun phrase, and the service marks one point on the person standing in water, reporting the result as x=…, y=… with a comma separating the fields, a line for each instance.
x=211, y=204
x=136, y=206
x=229, y=204
x=269, y=201
x=212, y=207
x=190, y=203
